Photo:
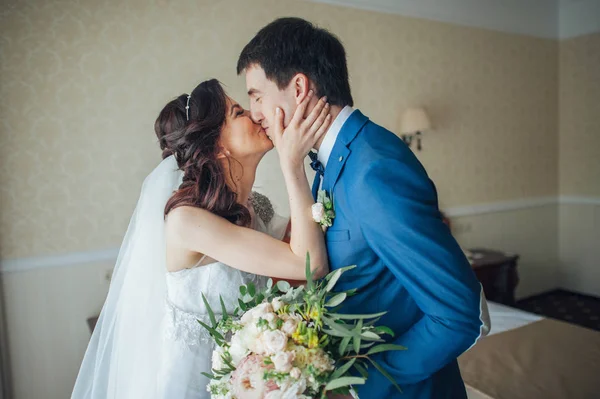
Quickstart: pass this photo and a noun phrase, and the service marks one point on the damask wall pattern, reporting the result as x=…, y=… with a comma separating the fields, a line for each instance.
x=580, y=116
x=82, y=81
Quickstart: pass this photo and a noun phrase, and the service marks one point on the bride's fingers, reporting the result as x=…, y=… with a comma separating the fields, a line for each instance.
x=316, y=112
x=301, y=109
x=314, y=126
x=323, y=129
x=277, y=132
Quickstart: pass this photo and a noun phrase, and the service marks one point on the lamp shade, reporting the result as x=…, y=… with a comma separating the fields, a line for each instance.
x=414, y=120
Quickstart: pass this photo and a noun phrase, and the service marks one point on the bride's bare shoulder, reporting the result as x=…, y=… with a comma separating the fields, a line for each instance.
x=185, y=217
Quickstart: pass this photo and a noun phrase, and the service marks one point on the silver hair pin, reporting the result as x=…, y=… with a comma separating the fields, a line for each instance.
x=187, y=109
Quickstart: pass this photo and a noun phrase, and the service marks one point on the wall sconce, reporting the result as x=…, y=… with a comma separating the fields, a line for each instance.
x=414, y=121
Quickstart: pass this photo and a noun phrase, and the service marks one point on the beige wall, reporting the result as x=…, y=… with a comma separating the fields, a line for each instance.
x=82, y=82
x=580, y=116
x=579, y=156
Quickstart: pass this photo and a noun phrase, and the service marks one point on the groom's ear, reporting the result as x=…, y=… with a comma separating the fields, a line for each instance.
x=301, y=87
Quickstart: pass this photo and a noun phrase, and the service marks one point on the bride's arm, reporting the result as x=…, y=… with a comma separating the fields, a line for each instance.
x=201, y=231
x=243, y=248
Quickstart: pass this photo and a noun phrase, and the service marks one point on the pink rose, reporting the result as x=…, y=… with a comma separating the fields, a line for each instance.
x=247, y=380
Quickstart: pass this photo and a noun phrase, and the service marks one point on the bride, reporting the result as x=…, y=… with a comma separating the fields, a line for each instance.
x=198, y=229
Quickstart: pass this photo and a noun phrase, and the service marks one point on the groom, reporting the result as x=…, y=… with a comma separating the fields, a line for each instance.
x=387, y=218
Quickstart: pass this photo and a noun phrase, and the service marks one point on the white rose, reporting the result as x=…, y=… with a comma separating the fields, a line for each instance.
x=217, y=361
x=295, y=373
x=289, y=327
x=318, y=212
x=283, y=361
x=270, y=317
x=247, y=317
x=261, y=309
x=274, y=341
x=237, y=349
x=257, y=346
x=292, y=391
x=276, y=394
x=277, y=304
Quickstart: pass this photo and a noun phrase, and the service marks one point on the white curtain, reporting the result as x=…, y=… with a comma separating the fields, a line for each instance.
x=4, y=371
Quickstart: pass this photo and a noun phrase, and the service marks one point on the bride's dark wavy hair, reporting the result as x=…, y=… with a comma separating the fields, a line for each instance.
x=196, y=146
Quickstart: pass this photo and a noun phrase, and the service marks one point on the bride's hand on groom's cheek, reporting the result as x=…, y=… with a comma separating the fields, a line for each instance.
x=296, y=140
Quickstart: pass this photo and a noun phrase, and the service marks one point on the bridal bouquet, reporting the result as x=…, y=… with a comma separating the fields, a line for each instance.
x=285, y=342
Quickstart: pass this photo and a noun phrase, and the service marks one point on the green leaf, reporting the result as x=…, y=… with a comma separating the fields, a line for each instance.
x=384, y=330
x=269, y=283
x=223, y=308
x=344, y=345
x=362, y=370
x=310, y=285
x=333, y=280
x=217, y=335
x=259, y=298
x=336, y=300
x=385, y=348
x=251, y=289
x=343, y=369
x=334, y=333
x=207, y=375
x=356, y=340
x=341, y=269
x=211, y=314
x=370, y=335
x=283, y=286
x=342, y=328
x=243, y=290
x=344, y=316
x=344, y=382
x=385, y=374
x=372, y=322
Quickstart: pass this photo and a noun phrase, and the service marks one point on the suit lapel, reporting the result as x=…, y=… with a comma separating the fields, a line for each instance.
x=340, y=152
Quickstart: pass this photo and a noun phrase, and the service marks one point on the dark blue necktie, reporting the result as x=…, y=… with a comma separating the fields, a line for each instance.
x=317, y=166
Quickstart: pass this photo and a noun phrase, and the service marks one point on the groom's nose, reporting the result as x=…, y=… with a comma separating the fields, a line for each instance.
x=257, y=117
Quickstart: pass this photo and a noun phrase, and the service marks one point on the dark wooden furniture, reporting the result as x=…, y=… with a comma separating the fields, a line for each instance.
x=497, y=273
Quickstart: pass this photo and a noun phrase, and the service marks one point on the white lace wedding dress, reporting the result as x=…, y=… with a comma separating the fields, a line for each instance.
x=188, y=346
x=147, y=342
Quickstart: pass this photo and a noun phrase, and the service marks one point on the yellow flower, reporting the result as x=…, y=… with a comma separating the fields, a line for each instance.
x=298, y=337
x=313, y=341
x=314, y=313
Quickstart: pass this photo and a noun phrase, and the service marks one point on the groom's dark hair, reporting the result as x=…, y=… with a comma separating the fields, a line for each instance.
x=288, y=46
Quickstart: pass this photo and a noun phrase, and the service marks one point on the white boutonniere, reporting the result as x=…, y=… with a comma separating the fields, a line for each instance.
x=322, y=211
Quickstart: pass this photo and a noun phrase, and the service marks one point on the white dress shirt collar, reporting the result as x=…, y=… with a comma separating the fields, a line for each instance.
x=332, y=134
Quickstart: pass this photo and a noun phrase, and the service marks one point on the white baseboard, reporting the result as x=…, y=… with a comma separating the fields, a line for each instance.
x=60, y=260
x=110, y=254
x=502, y=206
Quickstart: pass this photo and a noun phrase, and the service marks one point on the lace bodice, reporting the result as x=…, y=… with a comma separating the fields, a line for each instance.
x=185, y=288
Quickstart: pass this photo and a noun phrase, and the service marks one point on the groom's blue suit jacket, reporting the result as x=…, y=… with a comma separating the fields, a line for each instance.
x=408, y=264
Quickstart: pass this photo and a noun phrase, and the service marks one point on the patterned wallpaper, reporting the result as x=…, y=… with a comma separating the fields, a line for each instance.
x=81, y=82
x=580, y=116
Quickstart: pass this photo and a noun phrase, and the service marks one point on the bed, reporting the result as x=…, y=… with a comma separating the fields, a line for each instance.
x=526, y=356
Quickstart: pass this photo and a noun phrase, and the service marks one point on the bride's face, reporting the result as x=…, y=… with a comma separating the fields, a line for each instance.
x=241, y=137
